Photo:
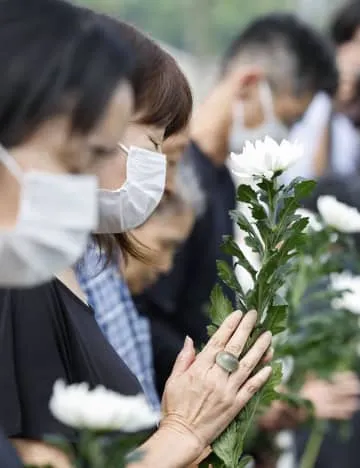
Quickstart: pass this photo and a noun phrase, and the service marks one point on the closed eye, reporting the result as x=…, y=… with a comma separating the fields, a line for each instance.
x=156, y=144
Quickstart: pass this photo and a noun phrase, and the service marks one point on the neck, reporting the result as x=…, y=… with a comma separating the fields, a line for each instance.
x=9, y=196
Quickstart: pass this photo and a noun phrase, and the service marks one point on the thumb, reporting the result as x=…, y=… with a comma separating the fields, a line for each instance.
x=185, y=358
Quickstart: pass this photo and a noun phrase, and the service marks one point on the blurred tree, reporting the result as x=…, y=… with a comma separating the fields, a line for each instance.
x=203, y=27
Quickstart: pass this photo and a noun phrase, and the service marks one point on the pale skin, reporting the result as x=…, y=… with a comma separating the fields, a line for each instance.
x=335, y=399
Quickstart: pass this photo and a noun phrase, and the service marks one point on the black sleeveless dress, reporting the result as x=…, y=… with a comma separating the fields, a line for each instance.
x=48, y=333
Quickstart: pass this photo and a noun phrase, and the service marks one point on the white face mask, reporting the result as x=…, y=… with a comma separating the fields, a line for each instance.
x=56, y=215
x=271, y=126
x=132, y=204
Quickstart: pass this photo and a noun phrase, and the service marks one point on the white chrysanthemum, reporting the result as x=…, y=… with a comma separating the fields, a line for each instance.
x=342, y=217
x=100, y=409
x=263, y=158
x=314, y=223
x=350, y=299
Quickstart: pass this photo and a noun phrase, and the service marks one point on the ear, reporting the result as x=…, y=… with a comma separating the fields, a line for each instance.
x=246, y=80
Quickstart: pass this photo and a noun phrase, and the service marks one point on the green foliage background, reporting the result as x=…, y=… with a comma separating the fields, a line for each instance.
x=203, y=27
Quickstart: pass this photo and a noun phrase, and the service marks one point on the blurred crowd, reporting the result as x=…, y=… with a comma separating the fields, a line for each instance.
x=279, y=78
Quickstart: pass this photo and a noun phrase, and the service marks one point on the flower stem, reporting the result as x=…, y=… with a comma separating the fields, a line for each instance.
x=313, y=445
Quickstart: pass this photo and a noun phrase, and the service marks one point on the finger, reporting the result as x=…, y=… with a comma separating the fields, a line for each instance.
x=268, y=356
x=252, y=358
x=253, y=385
x=343, y=412
x=218, y=341
x=185, y=358
x=237, y=342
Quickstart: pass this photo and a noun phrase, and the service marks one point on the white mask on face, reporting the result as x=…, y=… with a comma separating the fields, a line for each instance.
x=271, y=126
x=132, y=204
x=56, y=215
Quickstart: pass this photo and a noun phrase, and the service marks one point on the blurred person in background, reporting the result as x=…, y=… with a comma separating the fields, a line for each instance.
x=345, y=33
x=329, y=131
x=337, y=451
x=270, y=73
x=162, y=233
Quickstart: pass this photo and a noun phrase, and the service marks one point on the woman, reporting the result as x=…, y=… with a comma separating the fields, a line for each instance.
x=65, y=342
x=163, y=104
x=52, y=122
x=55, y=107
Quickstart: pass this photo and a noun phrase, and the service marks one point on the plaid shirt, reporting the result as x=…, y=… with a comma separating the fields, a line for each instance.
x=116, y=314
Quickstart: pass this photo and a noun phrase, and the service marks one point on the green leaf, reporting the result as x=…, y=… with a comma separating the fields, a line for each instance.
x=246, y=194
x=220, y=306
x=304, y=188
x=245, y=462
x=230, y=247
x=276, y=319
x=244, y=224
x=228, y=276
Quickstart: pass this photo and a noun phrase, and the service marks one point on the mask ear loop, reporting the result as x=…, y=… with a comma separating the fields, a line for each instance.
x=124, y=148
x=10, y=164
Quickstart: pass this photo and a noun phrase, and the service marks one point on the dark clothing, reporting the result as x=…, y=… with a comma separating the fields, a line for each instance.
x=180, y=299
x=48, y=333
x=335, y=452
x=8, y=456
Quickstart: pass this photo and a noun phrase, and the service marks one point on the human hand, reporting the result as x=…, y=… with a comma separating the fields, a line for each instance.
x=212, y=120
x=201, y=398
x=336, y=399
x=279, y=416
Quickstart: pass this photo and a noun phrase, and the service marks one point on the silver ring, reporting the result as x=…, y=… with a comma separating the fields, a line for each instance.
x=227, y=361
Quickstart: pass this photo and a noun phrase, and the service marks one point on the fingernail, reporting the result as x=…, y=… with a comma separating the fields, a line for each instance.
x=253, y=313
x=268, y=334
x=266, y=371
x=188, y=343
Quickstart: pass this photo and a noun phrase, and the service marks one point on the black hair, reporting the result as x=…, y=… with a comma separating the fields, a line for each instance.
x=55, y=57
x=345, y=23
x=277, y=36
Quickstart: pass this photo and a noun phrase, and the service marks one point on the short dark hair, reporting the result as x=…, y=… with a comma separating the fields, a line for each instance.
x=345, y=22
x=288, y=49
x=55, y=57
x=162, y=93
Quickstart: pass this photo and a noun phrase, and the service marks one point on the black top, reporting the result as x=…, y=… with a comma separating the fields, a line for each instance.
x=48, y=333
x=180, y=298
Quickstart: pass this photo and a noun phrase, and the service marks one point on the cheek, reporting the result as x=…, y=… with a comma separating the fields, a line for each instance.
x=75, y=155
x=112, y=173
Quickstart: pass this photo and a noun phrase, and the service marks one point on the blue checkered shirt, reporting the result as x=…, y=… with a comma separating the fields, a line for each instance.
x=116, y=314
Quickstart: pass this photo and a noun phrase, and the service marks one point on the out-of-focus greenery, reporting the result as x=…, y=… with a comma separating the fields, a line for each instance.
x=204, y=27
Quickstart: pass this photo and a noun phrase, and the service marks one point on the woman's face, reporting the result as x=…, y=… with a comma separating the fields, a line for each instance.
x=162, y=234
x=53, y=148
x=113, y=175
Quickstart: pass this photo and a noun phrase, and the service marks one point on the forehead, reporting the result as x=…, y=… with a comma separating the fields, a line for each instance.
x=113, y=123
